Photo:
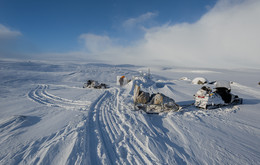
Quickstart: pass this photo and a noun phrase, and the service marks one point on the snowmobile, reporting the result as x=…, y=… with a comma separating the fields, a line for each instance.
x=222, y=96
x=94, y=84
x=155, y=103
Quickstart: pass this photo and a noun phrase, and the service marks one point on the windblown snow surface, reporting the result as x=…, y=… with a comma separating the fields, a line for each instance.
x=46, y=117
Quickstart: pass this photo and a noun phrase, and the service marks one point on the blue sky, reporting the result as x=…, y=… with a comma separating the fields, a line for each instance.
x=121, y=30
x=56, y=25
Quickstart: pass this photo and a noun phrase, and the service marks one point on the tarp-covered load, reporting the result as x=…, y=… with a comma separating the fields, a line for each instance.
x=154, y=103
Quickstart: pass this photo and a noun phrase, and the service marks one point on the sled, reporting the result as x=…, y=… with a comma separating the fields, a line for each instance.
x=156, y=109
x=154, y=104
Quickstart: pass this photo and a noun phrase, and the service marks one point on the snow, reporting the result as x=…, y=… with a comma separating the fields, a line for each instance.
x=199, y=80
x=46, y=117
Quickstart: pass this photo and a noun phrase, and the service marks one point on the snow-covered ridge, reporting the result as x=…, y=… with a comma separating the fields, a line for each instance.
x=46, y=117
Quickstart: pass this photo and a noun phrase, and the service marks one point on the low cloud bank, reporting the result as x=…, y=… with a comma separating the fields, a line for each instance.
x=227, y=36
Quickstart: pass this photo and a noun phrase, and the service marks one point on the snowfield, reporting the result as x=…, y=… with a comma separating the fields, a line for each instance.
x=46, y=117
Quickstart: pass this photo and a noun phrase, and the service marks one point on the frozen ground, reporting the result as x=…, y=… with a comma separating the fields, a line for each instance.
x=46, y=117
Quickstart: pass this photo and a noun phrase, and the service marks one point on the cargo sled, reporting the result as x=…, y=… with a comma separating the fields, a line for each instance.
x=95, y=84
x=155, y=103
x=222, y=96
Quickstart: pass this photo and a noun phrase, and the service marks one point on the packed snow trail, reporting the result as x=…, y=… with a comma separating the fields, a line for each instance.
x=107, y=133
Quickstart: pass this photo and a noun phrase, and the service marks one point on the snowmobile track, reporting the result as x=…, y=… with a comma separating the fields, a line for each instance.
x=106, y=131
x=97, y=140
x=40, y=95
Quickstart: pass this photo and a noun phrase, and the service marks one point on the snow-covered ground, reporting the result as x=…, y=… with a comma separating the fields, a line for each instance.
x=46, y=117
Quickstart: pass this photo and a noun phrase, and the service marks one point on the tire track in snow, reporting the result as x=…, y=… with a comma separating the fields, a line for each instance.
x=40, y=95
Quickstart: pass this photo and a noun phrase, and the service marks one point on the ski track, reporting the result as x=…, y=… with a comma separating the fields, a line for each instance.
x=40, y=95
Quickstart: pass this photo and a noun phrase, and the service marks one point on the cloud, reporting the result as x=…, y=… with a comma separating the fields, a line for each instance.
x=6, y=33
x=139, y=21
x=226, y=36
x=95, y=43
x=8, y=41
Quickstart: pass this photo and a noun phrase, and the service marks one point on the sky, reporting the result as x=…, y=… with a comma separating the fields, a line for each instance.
x=201, y=33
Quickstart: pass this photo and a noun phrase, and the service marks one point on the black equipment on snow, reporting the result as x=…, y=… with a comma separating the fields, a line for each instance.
x=94, y=84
